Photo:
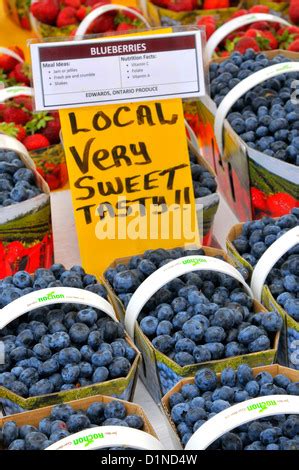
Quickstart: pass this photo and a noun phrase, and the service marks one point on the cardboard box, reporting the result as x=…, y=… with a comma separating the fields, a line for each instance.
x=240, y=168
x=26, y=241
x=158, y=371
x=272, y=369
x=34, y=417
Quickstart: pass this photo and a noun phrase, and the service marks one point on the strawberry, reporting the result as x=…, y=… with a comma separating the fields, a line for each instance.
x=22, y=73
x=236, y=14
x=294, y=46
x=82, y=12
x=103, y=24
x=51, y=131
x=209, y=23
x=215, y=4
x=2, y=108
x=260, y=25
x=124, y=27
x=72, y=3
x=180, y=5
x=259, y=199
x=35, y=142
x=24, y=101
x=273, y=43
x=95, y=3
x=25, y=23
x=66, y=17
x=130, y=15
x=294, y=11
x=14, y=130
x=16, y=115
x=259, y=9
x=246, y=43
x=280, y=204
x=38, y=122
x=8, y=63
x=45, y=11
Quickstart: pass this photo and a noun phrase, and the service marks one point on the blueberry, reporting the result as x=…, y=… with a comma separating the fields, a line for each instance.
x=134, y=421
x=35, y=441
x=244, y=374
x=252, y=388
x=185, y=345
x=17, y=444
x=272, y=321
x=214, y=334
x=77, y=422
x=163, y=343
x=216, y=350
x=193, y=330
x=183, y=359
x=29, y=376
x=201, y=354
x=69, y=355
x=70, y=373
x=42, y=387
x=179, y=412
x=9, y=432
x=22, y=279
x=87, y=316
x=228, y=377
x=231, y=441
x=103, y=358
x=206, y=380
x=249, y=334
x=219, y=405
x=95, y=413
x=79, y=333
x=59, y=340
x=260, y=344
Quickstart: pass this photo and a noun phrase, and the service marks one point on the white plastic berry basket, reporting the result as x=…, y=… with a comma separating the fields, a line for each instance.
x=220, y=34
x=122, y=387
x=241, y=413
x=158, y=371
x=91, y=438
x=259, y=273
x=241, y=169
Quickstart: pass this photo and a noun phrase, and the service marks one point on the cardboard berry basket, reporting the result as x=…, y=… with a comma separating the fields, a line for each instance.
x=160, y=15
x=261, y=290
x=122, y=387
x=232, y=417
x=207, y=206
x=50, y=161
x=26, y=240
x=43, y=30
x=94, y=439
x=18, y=12
x=158, y=371
x=242, y=172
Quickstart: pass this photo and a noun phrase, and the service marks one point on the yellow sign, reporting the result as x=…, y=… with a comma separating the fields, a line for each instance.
x=130, y=179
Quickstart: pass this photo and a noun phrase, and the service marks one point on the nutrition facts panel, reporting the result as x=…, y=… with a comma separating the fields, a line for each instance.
x=135, y=68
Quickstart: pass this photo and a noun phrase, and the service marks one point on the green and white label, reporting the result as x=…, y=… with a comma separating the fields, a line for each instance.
x=239, y=414
x=108, y=436
x=61, y=295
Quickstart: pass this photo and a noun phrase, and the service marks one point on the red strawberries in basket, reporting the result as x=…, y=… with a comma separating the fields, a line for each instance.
x=70, y=13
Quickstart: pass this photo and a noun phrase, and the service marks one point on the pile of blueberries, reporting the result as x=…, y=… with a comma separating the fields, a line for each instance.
x=266, y=117
x=64, y=421
x=283, y=280
x=204, y=182
x=198, y=402
x=199, y=317
x=17, y=183
x=62, y=346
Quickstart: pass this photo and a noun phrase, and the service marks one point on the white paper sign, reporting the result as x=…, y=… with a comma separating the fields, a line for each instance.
x=135, y=68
